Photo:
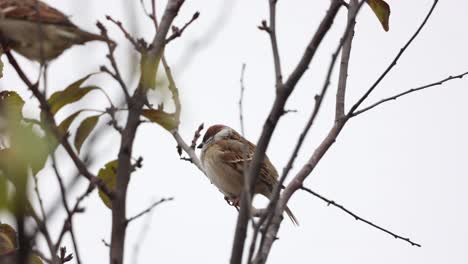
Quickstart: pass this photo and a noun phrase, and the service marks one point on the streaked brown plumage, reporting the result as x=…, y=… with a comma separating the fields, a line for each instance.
x=28, y=25
x=225, y=155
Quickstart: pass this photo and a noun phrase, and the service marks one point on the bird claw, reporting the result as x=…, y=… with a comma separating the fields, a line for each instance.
x=232, y=201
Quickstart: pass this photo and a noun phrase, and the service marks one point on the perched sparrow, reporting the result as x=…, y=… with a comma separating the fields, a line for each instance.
x=27, y=26
x=225, y=154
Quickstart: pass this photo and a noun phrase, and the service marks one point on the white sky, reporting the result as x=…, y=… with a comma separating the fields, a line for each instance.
x=403, y=166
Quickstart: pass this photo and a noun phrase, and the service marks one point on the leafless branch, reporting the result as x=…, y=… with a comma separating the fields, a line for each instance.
x=394, y=97
x=127, y=35
x=276, y=112
x=111, y=56
x=241, y=99
x=162, y=200
x=358, y=218
x=345, y=56
x=68, y=225
x=394, y=62
x=271, y=30
x=296, y=183
x=39, y=198
x=196, y=136
x=177, y=32
x=317, y=106
x=191, y=152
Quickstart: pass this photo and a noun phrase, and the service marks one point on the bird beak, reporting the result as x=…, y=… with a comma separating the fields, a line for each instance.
x=200, y=146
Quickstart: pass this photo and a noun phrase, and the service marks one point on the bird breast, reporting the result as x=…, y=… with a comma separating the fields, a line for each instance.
x=224, y=176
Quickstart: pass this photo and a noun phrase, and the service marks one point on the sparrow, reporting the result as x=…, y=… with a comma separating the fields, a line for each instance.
x=38, y=31
x=225, y=154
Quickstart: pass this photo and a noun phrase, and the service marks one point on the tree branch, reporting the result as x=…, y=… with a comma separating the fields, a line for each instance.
x=358, y=112
x=358, y=218
x=276, y=112
x=191, y=152
x=296, y=183
x=394, y=62
x=345, y=56
x=149, y=64
x=147, y=210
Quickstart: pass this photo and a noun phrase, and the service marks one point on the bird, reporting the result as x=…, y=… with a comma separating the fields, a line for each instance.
x=38, y=31
x=225, y=154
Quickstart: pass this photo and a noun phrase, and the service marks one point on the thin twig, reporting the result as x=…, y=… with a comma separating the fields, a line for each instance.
x=271, y=30
x=317, y=106
x=39, y=198
x=269, y=126
x=394, y=62
x=241, y=100
x=148, y=65
x=191, y=152
x=177, y=32
x=144, y=232
x=127, y=35
x=318, y=154
x=358, y=112
x=68, y=225
x=358, y=218
x=162, y=200
x=196, y=136
x=111, y=56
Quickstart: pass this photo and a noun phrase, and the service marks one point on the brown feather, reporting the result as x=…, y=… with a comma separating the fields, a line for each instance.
x=19, y=26
x=227, y=157
x=29, y=10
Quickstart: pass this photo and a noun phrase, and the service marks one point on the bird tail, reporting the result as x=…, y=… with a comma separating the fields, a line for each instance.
x=287, y=210
x=88, y=36
x=291, y=216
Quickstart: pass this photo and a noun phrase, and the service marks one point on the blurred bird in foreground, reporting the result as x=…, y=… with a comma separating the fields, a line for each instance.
x=38, y=31
x=225, y=155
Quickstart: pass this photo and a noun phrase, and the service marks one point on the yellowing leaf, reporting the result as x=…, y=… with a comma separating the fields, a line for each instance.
x=84, y=130
x=381, y=10
x=34, y=259
x=162, y=118
x=71, y=94
x=108, y=175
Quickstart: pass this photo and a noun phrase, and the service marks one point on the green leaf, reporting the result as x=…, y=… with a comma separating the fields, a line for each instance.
x=381, y=10
x=11, y=105
x=162, y=118
x=66, y=123
x=71, y=94
x=108, y=176
x=28, y=149
x=7, y=238
x=84, y=130
x=63, y=128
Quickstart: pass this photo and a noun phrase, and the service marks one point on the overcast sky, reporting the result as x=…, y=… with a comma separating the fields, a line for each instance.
x=404, y=165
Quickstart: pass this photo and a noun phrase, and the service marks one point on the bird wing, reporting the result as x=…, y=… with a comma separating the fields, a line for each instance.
x=238, y=153
x=29, y=10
